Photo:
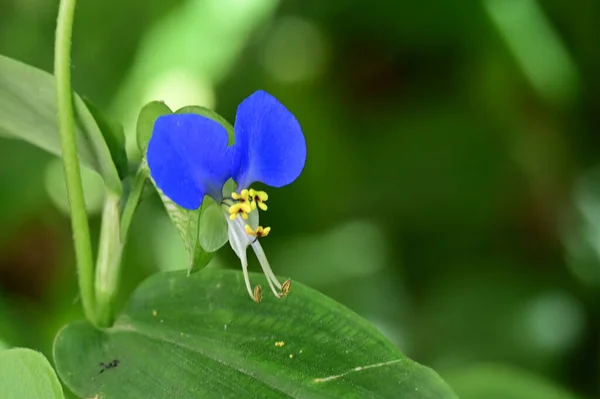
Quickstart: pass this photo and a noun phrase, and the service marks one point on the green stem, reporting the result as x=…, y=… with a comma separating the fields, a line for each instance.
x=108, y=264
x=113, y=234
x=133, y=199
x=79, y=221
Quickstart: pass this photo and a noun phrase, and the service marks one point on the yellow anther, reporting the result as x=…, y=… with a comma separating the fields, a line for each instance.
x=257, y=294
x=259, y=232
x=286, y=287
x=242, y=197
x=259, y=198
x=240, y=208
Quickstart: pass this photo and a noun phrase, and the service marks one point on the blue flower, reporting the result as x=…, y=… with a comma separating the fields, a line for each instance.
x=189, y=158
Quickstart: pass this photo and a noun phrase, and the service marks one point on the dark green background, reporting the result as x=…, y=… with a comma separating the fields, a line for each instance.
x=451, y=193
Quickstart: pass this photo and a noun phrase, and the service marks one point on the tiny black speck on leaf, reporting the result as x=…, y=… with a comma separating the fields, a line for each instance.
x=110, y=365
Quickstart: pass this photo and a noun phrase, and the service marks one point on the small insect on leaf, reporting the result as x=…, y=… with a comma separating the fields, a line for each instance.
x=109, y=365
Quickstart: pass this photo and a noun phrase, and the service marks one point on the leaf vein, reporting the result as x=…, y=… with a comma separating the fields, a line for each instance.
x=356, y=370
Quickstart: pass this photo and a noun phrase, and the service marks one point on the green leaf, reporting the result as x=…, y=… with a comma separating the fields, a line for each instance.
x=201, y=336
x=501, y=382
x=202, y=235
x=93, y=188
x=114, y=135
x=28, y=112
x=26, y=374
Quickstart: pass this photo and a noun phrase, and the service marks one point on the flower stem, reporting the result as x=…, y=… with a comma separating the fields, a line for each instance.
x=108, y=264
x=133, y=199
x=79, y=221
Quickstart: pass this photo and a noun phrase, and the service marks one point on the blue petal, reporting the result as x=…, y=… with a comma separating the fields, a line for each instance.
x=269, y=144
x=188, y=158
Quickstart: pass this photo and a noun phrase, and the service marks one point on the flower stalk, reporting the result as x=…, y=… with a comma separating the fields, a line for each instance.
x=108, y=263
x=66, y=123
x=137, y=188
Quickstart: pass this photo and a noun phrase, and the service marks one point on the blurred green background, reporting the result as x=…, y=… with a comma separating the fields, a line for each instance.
x=452, y=188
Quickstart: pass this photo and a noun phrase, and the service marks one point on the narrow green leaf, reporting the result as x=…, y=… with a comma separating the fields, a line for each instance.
x=201, y=336
x=26, y=374
x=114, y=135
x=28, y=112
x=201, y=235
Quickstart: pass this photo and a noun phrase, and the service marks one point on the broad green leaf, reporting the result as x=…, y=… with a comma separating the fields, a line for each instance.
x=501, y=382
x=201, y=336
x=114, y=136
x=201, y=235
x=26, y=374
x=28, y=112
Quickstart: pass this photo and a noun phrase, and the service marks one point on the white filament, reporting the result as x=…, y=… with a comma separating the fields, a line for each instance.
x=240, y=240
x=239, y=243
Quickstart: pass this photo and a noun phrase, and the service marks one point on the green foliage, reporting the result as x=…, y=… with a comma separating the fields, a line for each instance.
x=435, y=203
x=26, y=374
x=501, y=382
x=28, y=112
x=114, y=136
x=93, y=187
x=201, y=336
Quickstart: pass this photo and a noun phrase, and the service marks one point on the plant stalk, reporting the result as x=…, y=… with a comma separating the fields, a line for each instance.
x=108, y=264
x=66, y=123
x=133, y=199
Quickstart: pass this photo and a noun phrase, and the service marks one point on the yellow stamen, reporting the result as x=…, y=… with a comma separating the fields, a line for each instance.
x=240, y=208
x=243, y=196
x=259, y=232
x=258, y=198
